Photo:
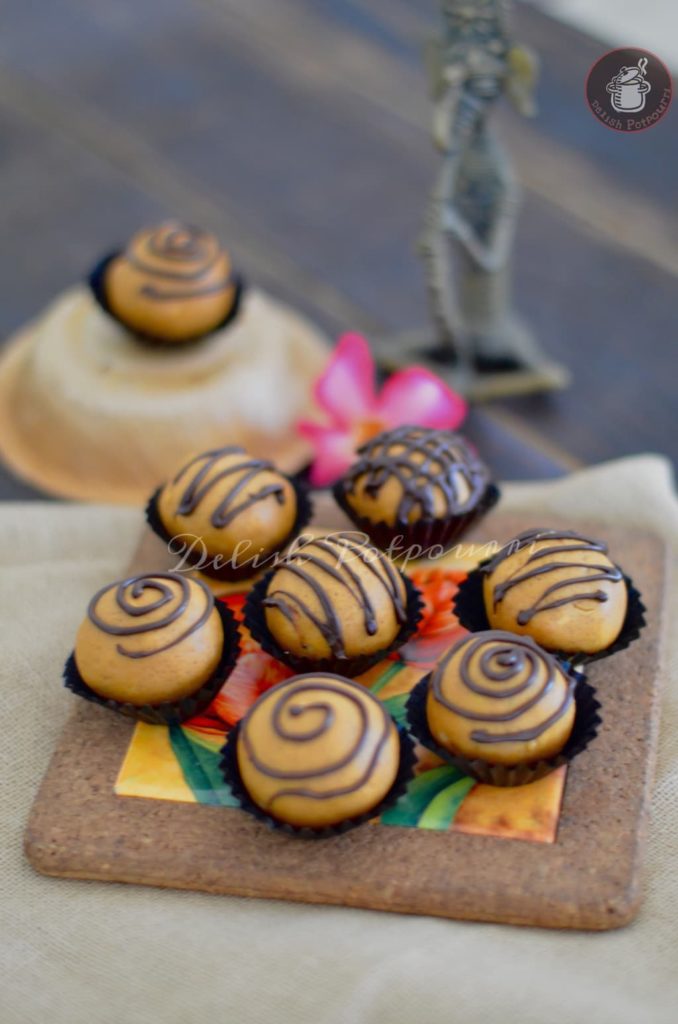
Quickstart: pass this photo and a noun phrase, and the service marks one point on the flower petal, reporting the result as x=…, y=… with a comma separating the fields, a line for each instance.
x=345, y=390
x=416, y=396
x=334, y=451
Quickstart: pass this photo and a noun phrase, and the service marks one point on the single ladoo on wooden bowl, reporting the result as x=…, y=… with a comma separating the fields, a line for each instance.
x=173, y=284
x=162, y=353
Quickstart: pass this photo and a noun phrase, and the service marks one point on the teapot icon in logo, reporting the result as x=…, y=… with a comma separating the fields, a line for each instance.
x=629, y=88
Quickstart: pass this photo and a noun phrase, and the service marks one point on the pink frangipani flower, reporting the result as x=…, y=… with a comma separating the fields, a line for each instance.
x=346, y=393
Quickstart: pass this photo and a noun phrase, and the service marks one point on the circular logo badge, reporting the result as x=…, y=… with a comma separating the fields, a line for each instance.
x=629, y=90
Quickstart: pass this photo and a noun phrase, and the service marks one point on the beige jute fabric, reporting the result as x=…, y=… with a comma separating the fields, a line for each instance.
x=89, y=953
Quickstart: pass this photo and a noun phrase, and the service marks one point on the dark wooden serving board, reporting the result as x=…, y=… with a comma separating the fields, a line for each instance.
x=589, y=878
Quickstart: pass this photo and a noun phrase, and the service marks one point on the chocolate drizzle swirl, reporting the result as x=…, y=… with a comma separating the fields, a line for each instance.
x=128, y=595
x=199, y=486
x=506, y=666
x=341, y=548
x=595, y=572
x=308, y=728
x=178, y=258
x=426, y=463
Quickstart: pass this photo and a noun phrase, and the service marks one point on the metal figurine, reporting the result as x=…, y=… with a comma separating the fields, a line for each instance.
x=470, y=223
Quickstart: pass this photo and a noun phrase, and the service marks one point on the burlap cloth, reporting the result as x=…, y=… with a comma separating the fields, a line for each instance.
x=86, y=952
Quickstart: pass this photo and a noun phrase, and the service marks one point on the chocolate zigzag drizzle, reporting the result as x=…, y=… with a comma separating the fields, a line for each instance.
x=446, y=459
x=340, y=547
x=508, y=666
x=226, y=511
x=129, y=591
x=595, y=572
x=287, y=720
x=181, y=257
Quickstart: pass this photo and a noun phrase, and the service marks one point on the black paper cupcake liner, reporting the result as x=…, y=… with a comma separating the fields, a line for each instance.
x=168, y=712
x=231, y=774
x=585, y=729
x=228, y=573
x=255, y=620
x=96, y=282
x=422, y=535
x=469, y=607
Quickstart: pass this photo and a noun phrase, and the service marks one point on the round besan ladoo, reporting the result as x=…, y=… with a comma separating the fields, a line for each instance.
x=558, y=587
x=500, y=698
x=411, y=473
x=317, y=750
x=173, y=283
x=149, y=639
x=335, y=597
x=240, y=508
x=415, y=485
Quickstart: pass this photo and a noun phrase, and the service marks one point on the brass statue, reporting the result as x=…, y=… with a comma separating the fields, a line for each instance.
x=470, y=223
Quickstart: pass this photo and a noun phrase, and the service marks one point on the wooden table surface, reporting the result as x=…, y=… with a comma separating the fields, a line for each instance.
x=299, y=131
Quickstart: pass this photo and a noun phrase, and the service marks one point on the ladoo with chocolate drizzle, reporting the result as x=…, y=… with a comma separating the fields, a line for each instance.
x=595, y=572
x=128, y=595
x=326, y=717
x=200, y=485
x=507, y=666
x=340, y=547
x=180, y=257
x=446, y=462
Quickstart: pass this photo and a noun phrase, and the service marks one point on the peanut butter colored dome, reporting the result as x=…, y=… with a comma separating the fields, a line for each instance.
x=413, y=473
x=240, y=508
x=499, y=697
x=335, y=597
x=316, y=750
x=173, y=282
x=150, y=638
x=558, y=587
